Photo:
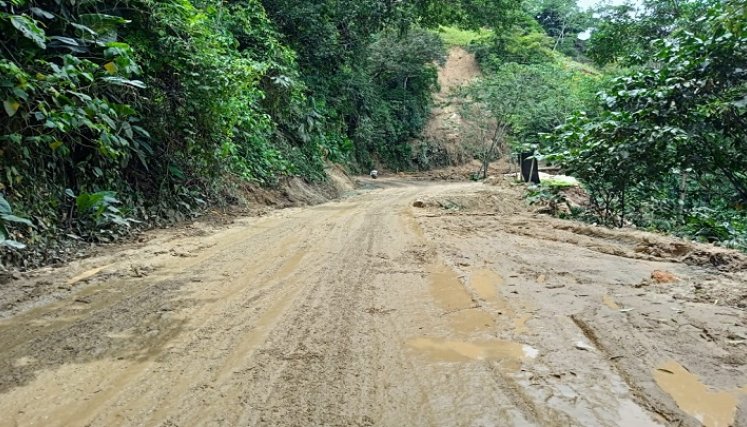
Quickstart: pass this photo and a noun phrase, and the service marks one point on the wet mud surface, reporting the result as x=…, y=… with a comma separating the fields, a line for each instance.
x=468, y=311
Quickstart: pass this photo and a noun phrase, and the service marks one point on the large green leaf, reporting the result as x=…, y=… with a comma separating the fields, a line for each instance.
x=16, y=219
x=11, y=107
x=29, y=28
x=120, y=81
x=12, y=244
x=5, y=206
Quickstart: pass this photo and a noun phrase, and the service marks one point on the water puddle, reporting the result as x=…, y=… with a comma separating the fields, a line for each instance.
x=486, y=284
x=441, y=350
x=610, y=302
x=473, y=320
x=448, y=290
x=712, y=408
x=520, y=323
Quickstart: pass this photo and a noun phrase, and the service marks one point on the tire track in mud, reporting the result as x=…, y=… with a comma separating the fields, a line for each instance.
x=368, y=312
x=141, y=299
x=521, y=388
x=642, y=398
x=287, y=287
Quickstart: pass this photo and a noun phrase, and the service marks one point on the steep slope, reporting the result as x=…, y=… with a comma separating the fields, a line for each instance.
x=449, y=139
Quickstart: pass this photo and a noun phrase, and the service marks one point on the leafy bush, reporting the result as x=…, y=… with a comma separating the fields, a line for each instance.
x=166, y=103
x=669, y=139
x=7, y=218
x=523, y=101
x=551, y=197
x=156, y=101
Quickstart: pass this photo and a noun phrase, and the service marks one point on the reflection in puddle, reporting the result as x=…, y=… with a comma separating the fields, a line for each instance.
x=712, y=408
x=610, y=302
x=440, y=350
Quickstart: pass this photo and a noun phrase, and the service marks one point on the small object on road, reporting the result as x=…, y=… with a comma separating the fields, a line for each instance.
x=583, y=346
x=419, y=204
x=660, y=276
x=374, y=174
x=626, y=310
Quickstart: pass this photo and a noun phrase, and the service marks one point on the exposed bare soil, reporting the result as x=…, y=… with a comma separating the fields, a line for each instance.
x=469, y=310
x=451, y=138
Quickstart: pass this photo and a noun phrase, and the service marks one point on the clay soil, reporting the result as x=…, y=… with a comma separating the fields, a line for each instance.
x=468, y=310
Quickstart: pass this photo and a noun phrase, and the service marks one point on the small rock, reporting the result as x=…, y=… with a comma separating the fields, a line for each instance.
x=554, y=286
x=419, y=204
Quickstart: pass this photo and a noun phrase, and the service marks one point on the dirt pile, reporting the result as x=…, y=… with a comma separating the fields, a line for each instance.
x=464, y=172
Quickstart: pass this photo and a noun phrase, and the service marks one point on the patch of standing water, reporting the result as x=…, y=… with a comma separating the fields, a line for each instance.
x=512, y=354
x=711, y=407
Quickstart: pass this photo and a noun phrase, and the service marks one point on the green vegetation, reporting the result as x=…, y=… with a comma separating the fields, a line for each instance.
x=528, y=88
x=158, y=109
x=118, y=115
x=657, y=136
x=666, y=148
x=454, y=36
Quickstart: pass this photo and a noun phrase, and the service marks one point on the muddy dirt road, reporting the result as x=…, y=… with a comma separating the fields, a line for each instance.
x=467, y=310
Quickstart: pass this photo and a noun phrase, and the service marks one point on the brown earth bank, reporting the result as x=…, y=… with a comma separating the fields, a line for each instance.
x=406, y=303
x=449, y=139
x=240, y=198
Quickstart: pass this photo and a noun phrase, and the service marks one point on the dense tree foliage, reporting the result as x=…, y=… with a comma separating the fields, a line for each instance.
x=563, y=21
x=373, y=77
x=530, y=85
x=668, y=148
x=141, y=110
x=625, y=33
